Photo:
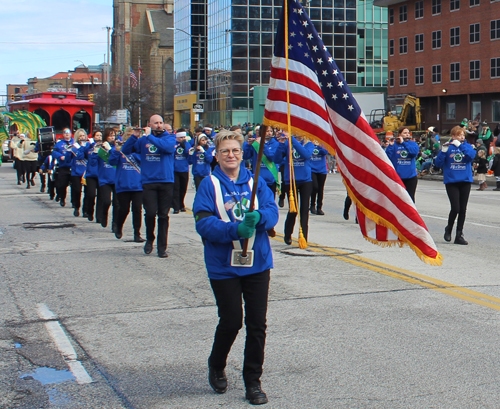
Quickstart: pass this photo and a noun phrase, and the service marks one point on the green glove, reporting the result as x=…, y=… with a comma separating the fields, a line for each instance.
x=251, y=218
x=245, y=231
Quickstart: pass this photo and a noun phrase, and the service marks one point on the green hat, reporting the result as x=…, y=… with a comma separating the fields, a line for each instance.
x=436, y=145
x=465, y=122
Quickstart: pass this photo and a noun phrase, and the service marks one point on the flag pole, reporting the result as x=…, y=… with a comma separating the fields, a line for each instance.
x=139, y=69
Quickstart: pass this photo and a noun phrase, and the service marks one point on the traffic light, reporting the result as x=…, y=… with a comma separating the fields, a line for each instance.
x=12, y=97
x=91, y=97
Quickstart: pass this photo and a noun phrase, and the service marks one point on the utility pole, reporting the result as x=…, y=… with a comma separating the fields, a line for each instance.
x=122, y=62
x=108, y=85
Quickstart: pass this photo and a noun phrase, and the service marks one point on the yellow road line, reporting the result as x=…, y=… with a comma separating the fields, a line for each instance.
x=405, y=275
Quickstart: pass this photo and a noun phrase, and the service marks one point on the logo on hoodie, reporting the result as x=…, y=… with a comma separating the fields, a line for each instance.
x=152, y=148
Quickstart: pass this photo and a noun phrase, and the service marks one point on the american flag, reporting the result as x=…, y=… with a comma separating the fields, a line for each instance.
x=133, y=79
x=322, y=108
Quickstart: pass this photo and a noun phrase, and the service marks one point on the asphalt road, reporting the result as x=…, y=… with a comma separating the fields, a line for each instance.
x=350, y=324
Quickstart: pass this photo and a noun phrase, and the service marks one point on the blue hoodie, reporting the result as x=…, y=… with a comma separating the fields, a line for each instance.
x=219, y=235
x=402, y=156
x=318, y=160
x=79, y=163
x=92, y=169
x=181, y=163
x=201, y=161
x=128, y=171
x=301, y=163
x=249, y=152
x=105, y=172
x=456, y=163
x=157, y=156
x=61, y=150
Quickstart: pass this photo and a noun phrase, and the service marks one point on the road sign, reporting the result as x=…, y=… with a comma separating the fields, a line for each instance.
x=198, y=108
x=122, y=116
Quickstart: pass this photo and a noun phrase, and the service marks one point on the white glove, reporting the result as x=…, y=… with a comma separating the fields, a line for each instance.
x=106, y=146
x=191, y=151
x=96, y=149
x=445, y=148
x=456, y=142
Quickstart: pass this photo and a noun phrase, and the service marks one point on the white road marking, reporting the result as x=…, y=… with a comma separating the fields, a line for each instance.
x=467, y=222
x=63, y=344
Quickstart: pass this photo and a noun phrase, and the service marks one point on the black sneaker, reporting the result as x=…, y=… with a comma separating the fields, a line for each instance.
x=183, y=209
x=162, y=254
x=255, y=395
x=320, y=212
x=76, y=213
x=217, y=380
x=176, y=211
x=139, y=239
x=281, y=202
x=118, y=233
x=62, y=203
x=148, y=247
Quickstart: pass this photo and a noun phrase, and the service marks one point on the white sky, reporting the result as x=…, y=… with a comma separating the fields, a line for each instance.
x=39, y=38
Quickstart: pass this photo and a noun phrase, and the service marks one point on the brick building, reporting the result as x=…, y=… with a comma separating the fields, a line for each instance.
x=141, y=33
x=447, y=53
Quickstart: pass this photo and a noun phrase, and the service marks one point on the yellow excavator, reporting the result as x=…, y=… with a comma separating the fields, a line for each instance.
x=410, y=116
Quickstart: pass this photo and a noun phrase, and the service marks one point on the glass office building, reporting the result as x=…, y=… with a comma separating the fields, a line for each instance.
x=239, y=48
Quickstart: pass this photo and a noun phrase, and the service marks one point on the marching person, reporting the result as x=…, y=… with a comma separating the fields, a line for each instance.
x=106, y=174
x=62, y=152
x=268, y=169
x=301, y=155
x=156, y=149
x=17, y=152
x=402, y=152
x=319, y=171
x=222, y=220
x=456, y=159
x=91, y=177
x=128, y=186
x=78, y=168
x=181, y=170
x=30, y=161
x=201, y=158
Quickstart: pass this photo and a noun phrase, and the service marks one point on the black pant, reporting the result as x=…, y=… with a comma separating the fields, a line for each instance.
x=304, y=192
x=42, y=180
x=90, y=192
x=63, y=179
x=107, y=195
x=157, y=199
x=76, y=191
x=319, y=180
x=180, y=189
x=19, y=166
x=458, y=193
x=411, y=186
x=228, y=293
x=197, y=181
x=51, y=184
x=124, y=200
x=283, y=192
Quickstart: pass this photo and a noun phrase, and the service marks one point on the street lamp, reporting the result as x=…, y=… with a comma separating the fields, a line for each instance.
x=84, y=66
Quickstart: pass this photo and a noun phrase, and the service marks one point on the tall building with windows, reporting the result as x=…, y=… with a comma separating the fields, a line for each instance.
x=237, y=48
x=446, y=53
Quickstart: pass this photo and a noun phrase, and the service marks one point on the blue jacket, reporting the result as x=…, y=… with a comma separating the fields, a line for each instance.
x=456, y=163
x=79, y=162
x=318, y=160
x=181, y=163
x=201, y=162
x=403, y=157
x=301, y=160
x=157, y=156
x=61, y=150
x=105, y=172
x=219, y=235
x=128, y=171
x=249, y=152
x=92, y=169
x=49, y=163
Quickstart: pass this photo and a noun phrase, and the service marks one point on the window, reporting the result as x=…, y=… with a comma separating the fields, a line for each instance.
x=454, y=36
x=473, y=3
x=495, y=30
x=403, y=45
x=496, y=111
x=436, y=7
x=476, y=109
x=391, y=16
x=474, y=70
x=419, y=42
x=455, y=72
x=391, y=47
x=454, y=5
x=419, y=75
x=403, y=78
x=403, y=13
x=474, y=33
x=436, y=39
x=391, y=78
x=436, y=74
x=450, y=110
x=419, y=9
x=495, y=68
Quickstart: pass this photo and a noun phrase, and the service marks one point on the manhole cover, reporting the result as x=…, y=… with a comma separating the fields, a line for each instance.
x=48, y=225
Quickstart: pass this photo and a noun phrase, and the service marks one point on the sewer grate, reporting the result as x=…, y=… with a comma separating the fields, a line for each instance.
x=48, y=225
